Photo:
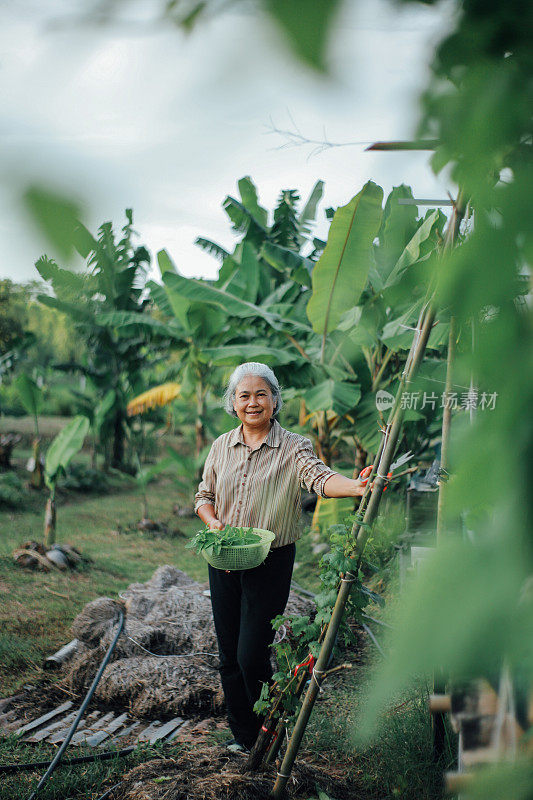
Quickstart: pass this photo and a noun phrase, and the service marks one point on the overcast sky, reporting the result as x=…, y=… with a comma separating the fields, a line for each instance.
x=142, y=116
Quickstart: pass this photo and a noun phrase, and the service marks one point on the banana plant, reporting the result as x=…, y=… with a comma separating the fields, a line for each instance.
x=63, y=448
x=32, y=397
x=113, y=283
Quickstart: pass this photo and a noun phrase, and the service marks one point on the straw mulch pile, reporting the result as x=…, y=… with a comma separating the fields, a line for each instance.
x=212, y=773
x=170, y=617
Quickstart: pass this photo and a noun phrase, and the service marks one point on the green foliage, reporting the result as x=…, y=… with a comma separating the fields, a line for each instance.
x=470, y=610
x=56, y=215
x=31, y=396
x=81, y=478
x=65, y=445
x=113, y=283
x=310, y=40
x=12, y=491
x=301, y=634
x=227, y=537
x=341, y=273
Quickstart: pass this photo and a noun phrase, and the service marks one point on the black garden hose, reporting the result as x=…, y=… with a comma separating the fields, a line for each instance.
x=58, y=756
x=103, y=756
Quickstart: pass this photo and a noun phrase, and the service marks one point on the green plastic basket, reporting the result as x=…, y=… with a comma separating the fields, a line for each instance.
x=241, y=556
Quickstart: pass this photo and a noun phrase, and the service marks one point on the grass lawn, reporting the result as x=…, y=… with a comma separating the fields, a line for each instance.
x=37, y=608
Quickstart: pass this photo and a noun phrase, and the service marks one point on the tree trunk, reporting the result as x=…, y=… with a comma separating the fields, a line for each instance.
x=199, y=424
x=50, y=522
x=117, y=459
x=37, y=475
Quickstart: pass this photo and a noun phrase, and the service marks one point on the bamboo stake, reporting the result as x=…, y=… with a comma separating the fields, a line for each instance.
x=446, y=425
x=362, y=531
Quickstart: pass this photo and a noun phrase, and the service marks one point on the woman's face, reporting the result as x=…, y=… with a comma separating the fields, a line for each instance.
x=253, y=404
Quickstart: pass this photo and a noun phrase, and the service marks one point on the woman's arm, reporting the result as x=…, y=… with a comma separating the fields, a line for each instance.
x=339, y=486
x=206, y=512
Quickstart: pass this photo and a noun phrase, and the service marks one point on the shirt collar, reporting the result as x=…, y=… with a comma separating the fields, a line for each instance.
x=273, y=439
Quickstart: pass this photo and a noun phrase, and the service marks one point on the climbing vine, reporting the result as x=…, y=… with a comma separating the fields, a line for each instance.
x=298, y=646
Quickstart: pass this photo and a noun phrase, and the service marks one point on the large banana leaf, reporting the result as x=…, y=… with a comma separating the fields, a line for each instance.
x=127, y=322
x=337, y=396
x=30, y=394
x=398, y=226
x=244, y=282
x=237, y=353
x=64, y=446
x=411, y=252
x=234, y=306
x=179, y=304
x=340, y=275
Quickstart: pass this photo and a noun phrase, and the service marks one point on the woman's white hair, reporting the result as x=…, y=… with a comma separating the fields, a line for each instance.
x=252, y=368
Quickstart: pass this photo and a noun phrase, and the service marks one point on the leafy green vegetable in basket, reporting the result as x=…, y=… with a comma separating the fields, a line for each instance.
x=228, y=537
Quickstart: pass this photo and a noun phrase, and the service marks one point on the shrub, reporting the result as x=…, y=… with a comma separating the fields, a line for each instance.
x=12, y=491
x=84, y=479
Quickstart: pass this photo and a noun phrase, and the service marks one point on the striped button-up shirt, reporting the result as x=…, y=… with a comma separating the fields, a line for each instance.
x=261, y=488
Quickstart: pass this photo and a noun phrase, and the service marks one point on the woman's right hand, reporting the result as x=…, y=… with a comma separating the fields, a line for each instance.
x=216, y=525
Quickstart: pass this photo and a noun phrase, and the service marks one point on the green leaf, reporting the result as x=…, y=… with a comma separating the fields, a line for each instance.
x=55, y=214
x=61, y=279
x=78, y=312
x=309, y=211
x=202, y=292
x=103, y=408
x=411, y=251
x=238, y=353
x=30, y=394
x=244, y=282
x=177, y=302
x=250, y=201
x=307, y=26
x=128, y=322
x=341, y=273
x=337, y=396
x=165, y=262
x=432, y=630
x=287, y=261
x=64, y=446
x=397, y=229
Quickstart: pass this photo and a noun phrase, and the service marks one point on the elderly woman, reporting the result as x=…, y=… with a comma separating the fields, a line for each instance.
x=252, y=478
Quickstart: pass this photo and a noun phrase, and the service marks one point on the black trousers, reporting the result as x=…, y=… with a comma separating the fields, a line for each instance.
x=244, y=603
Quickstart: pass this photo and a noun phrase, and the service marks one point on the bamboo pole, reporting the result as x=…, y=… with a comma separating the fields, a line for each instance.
x=362, y=531
x=446, y=426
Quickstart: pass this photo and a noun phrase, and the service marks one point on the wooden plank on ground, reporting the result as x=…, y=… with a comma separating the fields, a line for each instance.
x=147, y=732
x=125, y=732
x=80, y=738
x=45, y=717
x=52, y=729
x=100, y=736
x=178, y=731
x=164, y=730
